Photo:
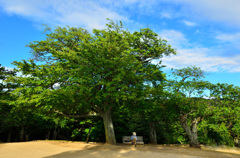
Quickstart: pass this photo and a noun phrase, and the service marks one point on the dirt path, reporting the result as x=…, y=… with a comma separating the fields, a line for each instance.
x=62, y=149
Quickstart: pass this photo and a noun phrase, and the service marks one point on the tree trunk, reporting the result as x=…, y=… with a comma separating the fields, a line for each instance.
x=152, y=133
x=9, y=135
x=191, y=132
x=22, y=134
x=55, y=133
x=48, y=135
x=108, y=126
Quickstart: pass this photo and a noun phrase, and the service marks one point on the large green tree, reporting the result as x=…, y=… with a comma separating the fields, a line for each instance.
x=75, y=72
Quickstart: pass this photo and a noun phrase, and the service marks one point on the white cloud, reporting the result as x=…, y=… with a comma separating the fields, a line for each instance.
x=200, y=58
x=93, y=14
x=175, y=38
x=165, y=15
x=229, y=37
x=190, y=54
x=217, y=10
x=82, y=12
x=188, y=23
x=87, y=14
x=226, y=11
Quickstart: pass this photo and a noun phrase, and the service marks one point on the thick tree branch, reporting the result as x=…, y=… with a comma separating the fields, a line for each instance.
x=89, y=114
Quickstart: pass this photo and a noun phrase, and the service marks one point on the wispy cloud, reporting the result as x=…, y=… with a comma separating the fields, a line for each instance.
x=80, y=12
x=188, y=23
x=200, y=57
x=72, y=12
x=217, y=10
x=166, y=15
x=93, y=14
x=214, y=10
x=90, y=13
x=224, y=37
x=175, y=38
x=190, y=54
x=229, y=43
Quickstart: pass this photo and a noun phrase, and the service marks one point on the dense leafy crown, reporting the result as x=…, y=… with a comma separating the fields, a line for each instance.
x=74, y=68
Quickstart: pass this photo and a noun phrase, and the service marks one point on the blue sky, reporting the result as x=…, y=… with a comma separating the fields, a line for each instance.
x=205, y=33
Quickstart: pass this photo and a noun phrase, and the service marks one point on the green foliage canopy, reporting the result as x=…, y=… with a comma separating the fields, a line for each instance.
x=74, y=72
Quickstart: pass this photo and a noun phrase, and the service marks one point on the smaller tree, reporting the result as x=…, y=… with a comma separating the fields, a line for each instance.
x=187, y=100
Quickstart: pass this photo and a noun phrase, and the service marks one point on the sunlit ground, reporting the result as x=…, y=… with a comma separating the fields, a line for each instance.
x=68, y=149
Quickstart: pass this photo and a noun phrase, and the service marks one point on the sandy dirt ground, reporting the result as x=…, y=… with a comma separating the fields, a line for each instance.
x=66, y=149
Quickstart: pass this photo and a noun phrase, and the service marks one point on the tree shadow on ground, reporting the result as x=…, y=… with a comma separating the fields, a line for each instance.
x=115, y=154
x=127, y=151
